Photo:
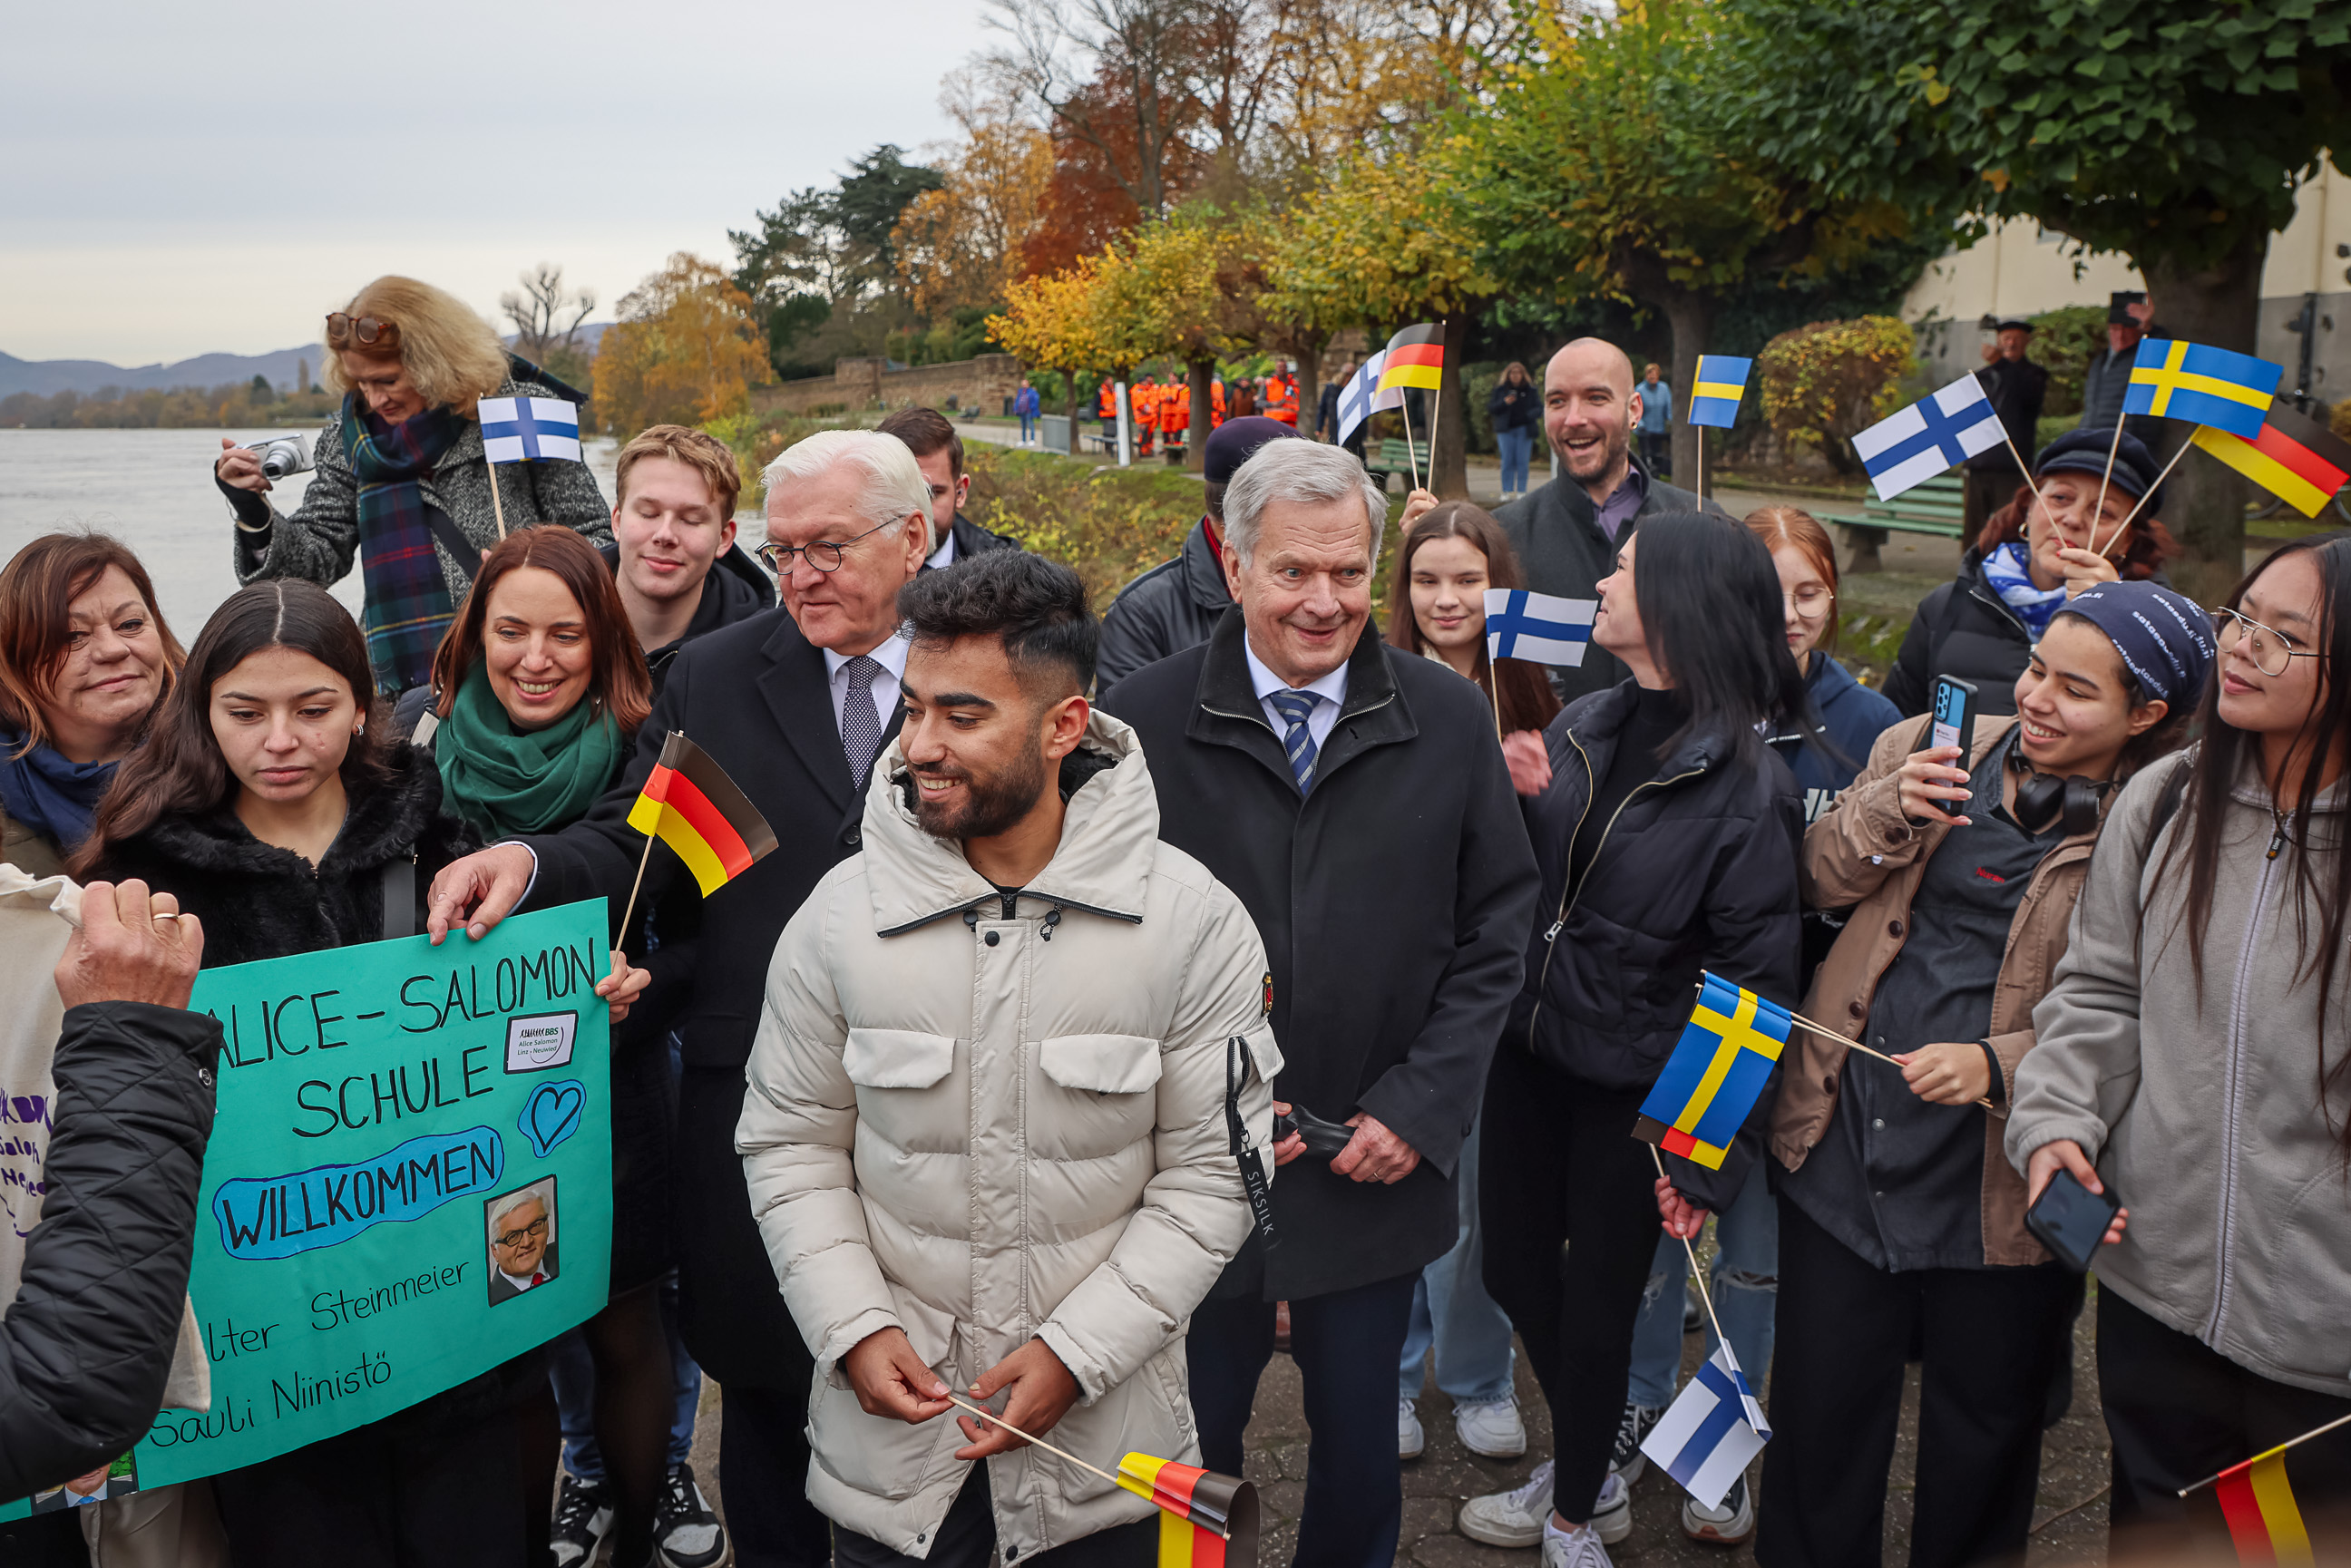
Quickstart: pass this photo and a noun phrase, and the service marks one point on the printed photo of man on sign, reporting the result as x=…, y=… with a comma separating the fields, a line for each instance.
x=522, y=1240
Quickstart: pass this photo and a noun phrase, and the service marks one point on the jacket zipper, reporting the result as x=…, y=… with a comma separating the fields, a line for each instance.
x=2013, y=618
x=2229, y=1144
x=1568, y=896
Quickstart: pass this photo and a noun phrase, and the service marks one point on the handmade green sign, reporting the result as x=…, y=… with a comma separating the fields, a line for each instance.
x=410, y=1180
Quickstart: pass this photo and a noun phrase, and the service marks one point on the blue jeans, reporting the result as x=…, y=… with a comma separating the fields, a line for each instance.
x=1517, y=445
x=1745, y=1282
x=1027, y=424
x=1452, y=1311
x=573, y=1372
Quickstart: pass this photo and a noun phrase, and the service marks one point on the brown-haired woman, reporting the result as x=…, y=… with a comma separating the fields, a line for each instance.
x=271, y=802
x=402, y=482
x=84, y=657
x=1451, y=555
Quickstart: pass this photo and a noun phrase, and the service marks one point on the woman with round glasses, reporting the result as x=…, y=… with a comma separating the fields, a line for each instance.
x=402, y=482
x=2194, y=1063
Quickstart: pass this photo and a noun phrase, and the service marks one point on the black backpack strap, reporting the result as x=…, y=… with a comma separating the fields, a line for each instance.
x=1238, y=1067
x=400, y=894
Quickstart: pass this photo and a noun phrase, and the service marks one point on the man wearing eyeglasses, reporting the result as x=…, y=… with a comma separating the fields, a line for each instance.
x=794, y=703
x=520, y=1247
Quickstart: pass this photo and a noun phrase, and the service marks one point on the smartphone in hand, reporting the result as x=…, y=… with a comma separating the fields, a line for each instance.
x=2071, y=1220
x=1955, y=715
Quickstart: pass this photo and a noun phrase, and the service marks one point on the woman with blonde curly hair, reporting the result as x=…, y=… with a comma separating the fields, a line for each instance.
x=401, y=483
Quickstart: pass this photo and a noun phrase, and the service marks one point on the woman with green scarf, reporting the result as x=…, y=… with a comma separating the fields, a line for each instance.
x=537, y=691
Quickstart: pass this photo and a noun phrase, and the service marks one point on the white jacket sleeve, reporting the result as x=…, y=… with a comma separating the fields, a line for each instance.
x=797, y=1139
x=1194, y=1215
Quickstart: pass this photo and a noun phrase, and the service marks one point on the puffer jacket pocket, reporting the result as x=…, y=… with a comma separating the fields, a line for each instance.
x=1106, y=1064
x=1097, y=1098
x=896, y=1058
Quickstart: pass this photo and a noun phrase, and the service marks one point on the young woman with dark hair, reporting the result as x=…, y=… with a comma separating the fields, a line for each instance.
x=84, y=659
x=1451, y=555
x=1901, y=1226
x=271, y=802
x=1667, y=834
x=2193, y=1059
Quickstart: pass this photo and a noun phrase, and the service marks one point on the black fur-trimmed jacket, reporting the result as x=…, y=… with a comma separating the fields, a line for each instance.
x=257, y=901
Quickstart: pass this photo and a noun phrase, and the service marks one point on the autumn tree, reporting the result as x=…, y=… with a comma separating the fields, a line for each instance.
x=962, y=244
x=823, y=253
x=684, y=350
x=547, y=314
x=1067, y=321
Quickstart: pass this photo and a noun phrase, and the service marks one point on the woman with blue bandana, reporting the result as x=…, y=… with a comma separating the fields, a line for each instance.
x=2033, y=555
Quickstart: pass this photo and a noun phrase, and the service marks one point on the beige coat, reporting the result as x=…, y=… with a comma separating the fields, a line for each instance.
x=983, y=1130
x=1864, y=854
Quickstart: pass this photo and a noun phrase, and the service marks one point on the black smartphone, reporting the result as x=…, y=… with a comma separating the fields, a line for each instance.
x=2071, y=1220
x=1955, y=715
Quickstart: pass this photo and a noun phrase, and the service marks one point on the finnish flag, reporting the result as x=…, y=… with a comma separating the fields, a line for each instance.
x=520, y=429
x=1362, y=397
x=1939, y=431
x=1538, y=627
x=1712, y=1432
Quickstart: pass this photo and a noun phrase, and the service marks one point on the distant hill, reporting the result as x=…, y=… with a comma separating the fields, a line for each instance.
x=45, y=378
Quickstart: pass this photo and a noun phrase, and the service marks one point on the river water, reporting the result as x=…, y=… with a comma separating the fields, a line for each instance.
x=153, y=490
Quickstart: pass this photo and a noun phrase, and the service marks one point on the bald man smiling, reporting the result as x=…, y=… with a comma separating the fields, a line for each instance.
x=1567, y=533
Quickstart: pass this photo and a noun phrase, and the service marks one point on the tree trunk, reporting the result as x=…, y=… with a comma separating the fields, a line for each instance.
x=1689, y=317
x=1448, y=457
x=1307, y=355
x=1196, y=440
x=2204, y=500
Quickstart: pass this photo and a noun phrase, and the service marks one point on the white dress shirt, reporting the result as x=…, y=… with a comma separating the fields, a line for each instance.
x=890, y=655
x=944, y=554
x=1332, y=689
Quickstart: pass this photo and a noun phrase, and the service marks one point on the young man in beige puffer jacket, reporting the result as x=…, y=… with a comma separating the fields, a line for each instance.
x=1007, y=1054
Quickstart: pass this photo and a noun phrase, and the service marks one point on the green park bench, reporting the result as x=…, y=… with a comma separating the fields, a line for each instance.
x=1393, y=457
x=1936, y=507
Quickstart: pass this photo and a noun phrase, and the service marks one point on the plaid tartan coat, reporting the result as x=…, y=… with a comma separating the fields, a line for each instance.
x=320, y=541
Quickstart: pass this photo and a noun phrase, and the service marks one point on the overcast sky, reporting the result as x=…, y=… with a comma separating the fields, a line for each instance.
x=176, y=180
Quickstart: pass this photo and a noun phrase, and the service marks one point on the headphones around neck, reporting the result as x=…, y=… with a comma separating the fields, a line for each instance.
x=2043, y=799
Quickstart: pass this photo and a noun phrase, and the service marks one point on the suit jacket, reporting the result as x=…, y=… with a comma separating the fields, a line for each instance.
x=753, y=696
x=502, y=1291
x=1394, y=901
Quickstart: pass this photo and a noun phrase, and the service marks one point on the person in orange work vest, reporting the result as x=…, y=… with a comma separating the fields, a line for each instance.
x=1144, y=396
x=1282, y=397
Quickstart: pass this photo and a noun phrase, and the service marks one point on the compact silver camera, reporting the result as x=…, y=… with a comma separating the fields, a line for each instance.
x=283, y=455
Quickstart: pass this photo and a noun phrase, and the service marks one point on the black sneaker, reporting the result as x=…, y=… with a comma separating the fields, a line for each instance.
x=583, y=1515
x=686, y=1534
x=1627, y=1460
x=1693, y=1310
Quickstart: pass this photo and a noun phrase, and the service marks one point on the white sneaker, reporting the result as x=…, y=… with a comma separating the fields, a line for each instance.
x=1612, y=1511
x=1410, y=1438
x=1573, y=1548
x=1510, y=1518
x=1491, y=1428
x=1728, y=1525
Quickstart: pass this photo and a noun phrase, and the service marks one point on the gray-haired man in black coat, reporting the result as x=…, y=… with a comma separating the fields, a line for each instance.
x=1356, y=800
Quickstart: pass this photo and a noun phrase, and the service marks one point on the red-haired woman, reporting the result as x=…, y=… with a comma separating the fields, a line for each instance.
x=84, y=658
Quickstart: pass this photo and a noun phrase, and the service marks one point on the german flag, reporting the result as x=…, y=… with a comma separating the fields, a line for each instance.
x=1205, y=1520
x=2264, y=1524
x=2292, y=456
x=692, y=806
x=1416, y=357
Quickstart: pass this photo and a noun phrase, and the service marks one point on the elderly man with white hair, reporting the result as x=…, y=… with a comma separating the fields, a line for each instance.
x=794, y=703
x=1355, y=797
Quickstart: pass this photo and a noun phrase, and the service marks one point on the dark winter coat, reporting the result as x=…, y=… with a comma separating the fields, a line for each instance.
x=1562, y=552
x=735, y=588
x=2017, y=389
x=1171, y=607
x=1964, y=629
x=1393, y=900
x=1696, y=872
x=1852, y=718
x=257, y=901
x=1514, y=407
x=971, y=539
x=86, y=1348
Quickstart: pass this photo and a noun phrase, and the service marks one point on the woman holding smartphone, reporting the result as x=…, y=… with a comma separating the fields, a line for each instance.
x=1902, y=1228
x=2192, y=1059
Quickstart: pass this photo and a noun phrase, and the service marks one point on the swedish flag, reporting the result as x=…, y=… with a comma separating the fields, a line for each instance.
x=1722, y=383
x=2198, y=381
x=1719, y=1068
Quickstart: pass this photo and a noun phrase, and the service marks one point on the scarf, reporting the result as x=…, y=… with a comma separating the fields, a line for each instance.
x=408, y=605
x=43, y=790
x=502, y=780
x=2035, y=606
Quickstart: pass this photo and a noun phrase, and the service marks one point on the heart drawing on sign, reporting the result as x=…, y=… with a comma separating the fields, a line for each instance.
x=552, y=1113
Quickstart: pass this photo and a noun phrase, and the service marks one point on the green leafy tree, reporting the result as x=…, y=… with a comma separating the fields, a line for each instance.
x=2173, y=133
x=1822, y=383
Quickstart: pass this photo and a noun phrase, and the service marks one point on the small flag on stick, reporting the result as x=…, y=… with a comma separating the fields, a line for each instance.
x=525, y=429
x=2196, y=382
x=1708, y=1435
x=1205, y=1520
x=1362, y=397
x=1717, y=1070
x=692, y=806
x=1714, y=395
x=2294, y=457
x=2265, y=1523
x=1414, y=358
x=1940, y=431
x=1537, y=627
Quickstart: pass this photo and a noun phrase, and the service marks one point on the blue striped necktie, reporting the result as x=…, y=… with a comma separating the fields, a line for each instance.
x=1294, y=709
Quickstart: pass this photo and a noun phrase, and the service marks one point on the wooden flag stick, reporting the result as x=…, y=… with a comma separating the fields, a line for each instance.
x=497, y=506
x=1436, y=418
x=2271, y=1453
x=1700, y=430
x=2132, y=516
x=1403, y=406
x=986, y=1415
x=2111, y=447
x=2030, y=482
x=631, y=908
x=1850, y=1044
x=1691, y=1253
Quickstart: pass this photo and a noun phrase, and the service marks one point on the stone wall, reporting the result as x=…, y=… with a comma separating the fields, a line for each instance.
x=860, y=384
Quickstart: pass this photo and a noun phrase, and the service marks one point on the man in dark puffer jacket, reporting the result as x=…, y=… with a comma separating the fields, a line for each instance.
x=86, y=1345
